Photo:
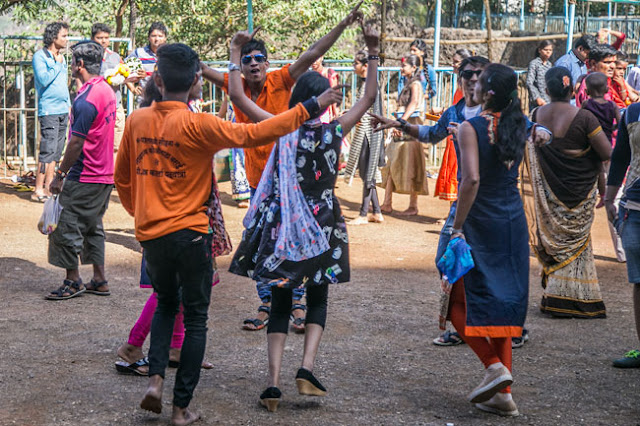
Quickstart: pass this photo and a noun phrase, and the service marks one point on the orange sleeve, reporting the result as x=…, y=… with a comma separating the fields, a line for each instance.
x=224, y=134
x=287, y=80
x=225, y=85
x=122, y=172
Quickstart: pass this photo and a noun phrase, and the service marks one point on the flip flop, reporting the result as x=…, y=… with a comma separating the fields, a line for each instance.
x=448, y=338
x=39, y=198
x=132, y=369
x=23, y=188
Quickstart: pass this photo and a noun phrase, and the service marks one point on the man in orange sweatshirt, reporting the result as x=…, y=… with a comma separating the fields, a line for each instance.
x=163, y=177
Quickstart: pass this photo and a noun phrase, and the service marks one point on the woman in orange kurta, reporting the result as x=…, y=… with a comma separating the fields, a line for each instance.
x=447, y=182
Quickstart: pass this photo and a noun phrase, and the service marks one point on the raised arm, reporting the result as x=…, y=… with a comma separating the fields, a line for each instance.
x=208, y=73
x=320, y=47
x=351, y=117
x=246, y=105
x=236, y=91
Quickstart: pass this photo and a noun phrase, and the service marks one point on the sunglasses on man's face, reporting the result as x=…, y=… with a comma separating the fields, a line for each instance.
x=468, y=74
x=259, y=58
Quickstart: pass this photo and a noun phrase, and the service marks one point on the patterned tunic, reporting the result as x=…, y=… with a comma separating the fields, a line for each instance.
x=317, y=157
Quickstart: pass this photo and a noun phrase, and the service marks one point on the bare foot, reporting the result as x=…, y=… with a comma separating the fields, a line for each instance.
x=174, y=355
x=183, y=417
x=386, y=208
x=131, y=354
x=411, y=211
x=152, y=400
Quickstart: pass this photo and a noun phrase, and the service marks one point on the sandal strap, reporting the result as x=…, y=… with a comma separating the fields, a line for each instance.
x=73, y=284
x=255, y=321
x=143, y=362
x=298, y=306
x=95, y=284
x=266, y=309
x=69, y=287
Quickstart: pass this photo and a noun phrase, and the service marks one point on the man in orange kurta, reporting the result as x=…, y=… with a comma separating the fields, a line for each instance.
x=271, y=92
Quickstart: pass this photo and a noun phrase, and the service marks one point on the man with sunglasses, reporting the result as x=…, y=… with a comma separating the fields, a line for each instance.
x=271, y=92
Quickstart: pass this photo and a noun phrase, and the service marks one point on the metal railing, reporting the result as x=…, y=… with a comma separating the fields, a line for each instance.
x=19, y=106
x=20, y=129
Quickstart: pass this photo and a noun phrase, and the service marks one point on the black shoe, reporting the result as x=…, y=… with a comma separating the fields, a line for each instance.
x=630, y=360
x=270, y=398
x=308, y=384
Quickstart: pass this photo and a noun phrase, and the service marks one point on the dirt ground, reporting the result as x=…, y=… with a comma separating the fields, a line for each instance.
x=376, y=358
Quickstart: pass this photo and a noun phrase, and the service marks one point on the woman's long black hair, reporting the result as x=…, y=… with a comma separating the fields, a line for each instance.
x=559, y=83
x=502, y=83
x=405, y=95
x=310, y=84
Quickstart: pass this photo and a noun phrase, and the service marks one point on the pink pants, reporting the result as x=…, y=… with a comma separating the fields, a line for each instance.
x=140, y=331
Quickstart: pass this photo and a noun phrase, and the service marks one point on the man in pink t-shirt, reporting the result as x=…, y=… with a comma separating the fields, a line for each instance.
x=87, y=173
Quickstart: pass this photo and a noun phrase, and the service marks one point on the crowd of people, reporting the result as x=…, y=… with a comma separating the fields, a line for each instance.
x=285, y=136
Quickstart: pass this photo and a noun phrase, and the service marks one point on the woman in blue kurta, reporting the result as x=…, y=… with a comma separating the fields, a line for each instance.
x=488, y=305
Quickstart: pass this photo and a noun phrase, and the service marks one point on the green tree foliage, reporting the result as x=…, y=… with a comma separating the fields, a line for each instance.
x=288, y=26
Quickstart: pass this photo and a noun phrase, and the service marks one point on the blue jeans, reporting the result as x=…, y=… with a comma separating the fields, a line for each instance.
x=628, y=227
x=180, y=267
x=264, y=293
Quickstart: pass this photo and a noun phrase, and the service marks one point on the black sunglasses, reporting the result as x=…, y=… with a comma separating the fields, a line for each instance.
x=468, y=74
x=259, y=58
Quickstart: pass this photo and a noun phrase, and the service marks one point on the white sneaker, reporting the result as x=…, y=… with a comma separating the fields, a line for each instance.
x=495, y=379
x=501, y=408
x=360, y=220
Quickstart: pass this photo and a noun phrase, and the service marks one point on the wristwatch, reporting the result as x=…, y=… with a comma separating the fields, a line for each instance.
x=60, y=174
x=233, y=67
x=403, y=124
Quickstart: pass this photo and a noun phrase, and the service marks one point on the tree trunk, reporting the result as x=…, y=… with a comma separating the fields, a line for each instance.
x=119, y=24
x=488, y=9
x=383, y=30
x=133, y=17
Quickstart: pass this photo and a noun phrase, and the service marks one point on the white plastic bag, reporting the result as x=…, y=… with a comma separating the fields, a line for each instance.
x=50, y=215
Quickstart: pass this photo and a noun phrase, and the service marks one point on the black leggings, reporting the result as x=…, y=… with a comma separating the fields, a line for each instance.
x=317, y=296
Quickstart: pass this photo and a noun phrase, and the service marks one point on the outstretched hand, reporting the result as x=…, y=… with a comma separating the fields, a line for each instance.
x=371, y=38
x=612, y=212
x=243, y=37
x=380, y=123
x=332, y=95
x=354, y=16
